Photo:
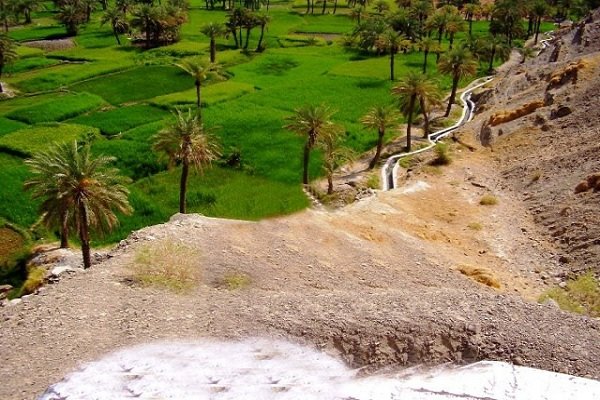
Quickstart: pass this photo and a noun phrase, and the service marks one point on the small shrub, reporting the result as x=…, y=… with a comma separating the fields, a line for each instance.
x=581, y=295
x=488, y=200
x=476, y=226
x=167, y=264
x=235, y=280
x=537, y=174
x=442, y=154
x=373, y=181
x=481, y=275
x=35, y=279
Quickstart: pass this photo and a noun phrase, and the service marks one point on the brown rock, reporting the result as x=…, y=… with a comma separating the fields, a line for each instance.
x=582, y=187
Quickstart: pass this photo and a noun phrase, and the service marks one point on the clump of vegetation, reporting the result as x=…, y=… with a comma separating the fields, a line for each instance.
x=167, y=264
x=536, y=175
x=488, y=200
x=476, y=226
x=35, y=279
x=581, y=295
x=442, y=153
x=235, y=280
x=374, y=181
x=480, y=274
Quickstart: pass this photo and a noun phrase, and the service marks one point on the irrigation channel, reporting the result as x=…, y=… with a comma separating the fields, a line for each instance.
x=389, y=169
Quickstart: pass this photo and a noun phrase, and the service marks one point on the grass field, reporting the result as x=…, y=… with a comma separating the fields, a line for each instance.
x=127, y=94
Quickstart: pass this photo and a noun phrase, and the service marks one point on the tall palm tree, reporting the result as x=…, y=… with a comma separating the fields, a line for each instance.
x=334, y=154
x=493, y=47
x=310, y=121
x=188, y=142
x=71, y=15
x=539, y=10
x=8, y=53
x=201, y=72
x=392, y=42
x=427, y=45
x=454, y=25
x=262, y=20
x=459, y=63
x=380, y=118
x=213, y=30
x=145, y=17
x=471, y=9
x=412, y=88
x=118, y=22
x=79, y=189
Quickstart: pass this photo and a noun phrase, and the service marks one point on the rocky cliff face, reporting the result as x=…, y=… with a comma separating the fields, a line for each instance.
x=542, y=122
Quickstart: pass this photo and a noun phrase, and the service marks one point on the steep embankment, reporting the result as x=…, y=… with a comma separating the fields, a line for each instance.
x=542, y=120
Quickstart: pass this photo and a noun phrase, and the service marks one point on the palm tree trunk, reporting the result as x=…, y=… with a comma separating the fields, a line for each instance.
x=312, y=6
x=378, y=151
x=452, y=95
x=537, y=29
x=307, y=6
x=198, y=104
x=470, y=25
x=247, y=38
x=425, y=54
x=117, y=37
x=305, y=162
x=260, y=39
x=64, y=231
x=425, y=117
x=411, y=107
x=392, y=65
x=334, y=6
x=492, y=56
x=1, y=69
x=84, y=236
x=213, y=50
x=185, y=170
x=329, y=183
x=324, y=6
x=451, y=40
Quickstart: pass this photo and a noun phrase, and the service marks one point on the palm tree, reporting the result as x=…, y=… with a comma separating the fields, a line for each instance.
x=8, y=53
x=201, y=72
x=78, y=189
x=459, y=63
x=539, y=10
x=454, y=24
x=144, y=18
x=262, y=20
x=427, y=45
x=493, y=46
x=471, y=9
x=71, y=15
x=380, y=118
x=213, y=30
x=310, y=121
x=118, y=22
x=392, y=42
x=333, y=154
x=411, y=88
x=188, y=142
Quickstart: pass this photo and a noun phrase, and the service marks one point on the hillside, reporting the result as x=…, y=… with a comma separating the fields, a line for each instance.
x=546, y=153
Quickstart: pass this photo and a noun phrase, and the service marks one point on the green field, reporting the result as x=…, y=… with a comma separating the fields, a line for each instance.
x=119, y=97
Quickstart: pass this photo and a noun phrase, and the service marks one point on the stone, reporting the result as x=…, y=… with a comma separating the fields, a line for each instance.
x=14, y=302
x=560, y=112
x=5, y=288
x=58, y=271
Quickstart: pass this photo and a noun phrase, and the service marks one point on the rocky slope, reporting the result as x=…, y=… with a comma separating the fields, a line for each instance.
x=542, y=121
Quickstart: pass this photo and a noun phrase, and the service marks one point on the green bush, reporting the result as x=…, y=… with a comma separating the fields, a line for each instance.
x=581, y=295
x=57, y=109
x=442, y=154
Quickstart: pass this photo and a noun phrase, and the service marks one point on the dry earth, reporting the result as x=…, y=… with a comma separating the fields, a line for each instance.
x=375, y=282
